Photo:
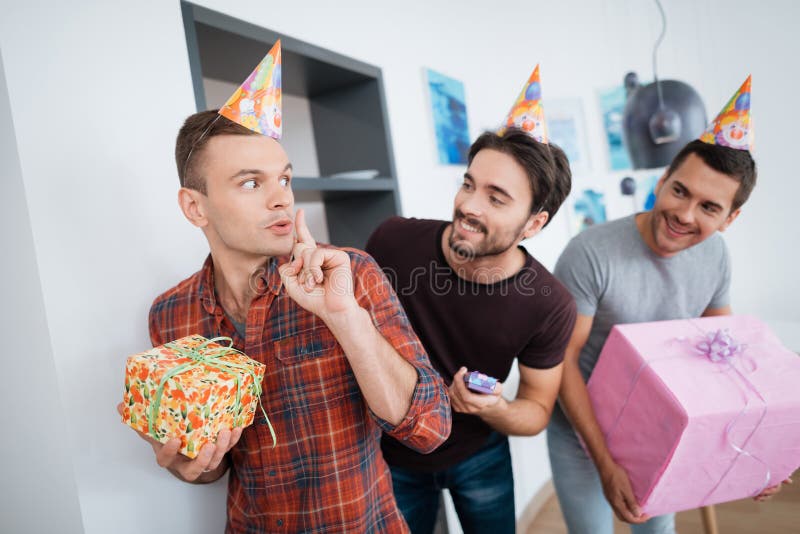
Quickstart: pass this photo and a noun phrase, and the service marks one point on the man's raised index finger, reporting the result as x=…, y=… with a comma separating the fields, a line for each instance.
x=303, y=234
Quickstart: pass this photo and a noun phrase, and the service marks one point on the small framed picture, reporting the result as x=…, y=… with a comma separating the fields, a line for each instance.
x=449, y=112
x=566, y=127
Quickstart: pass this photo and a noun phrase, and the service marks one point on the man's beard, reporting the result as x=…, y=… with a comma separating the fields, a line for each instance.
x=491, y=245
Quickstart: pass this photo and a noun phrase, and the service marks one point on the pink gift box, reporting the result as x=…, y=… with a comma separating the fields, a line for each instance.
x=690, y=431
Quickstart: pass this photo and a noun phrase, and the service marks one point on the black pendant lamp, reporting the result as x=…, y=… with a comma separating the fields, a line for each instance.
x=661, y=117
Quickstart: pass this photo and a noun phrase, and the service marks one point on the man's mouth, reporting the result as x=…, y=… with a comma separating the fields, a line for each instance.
x=281, y=226
x=474, y=228
x=676, y=230
x=469, y=228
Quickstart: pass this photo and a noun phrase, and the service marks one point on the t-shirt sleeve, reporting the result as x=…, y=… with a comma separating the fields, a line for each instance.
x=722, y=296
x=577, y=268
x=546, y=347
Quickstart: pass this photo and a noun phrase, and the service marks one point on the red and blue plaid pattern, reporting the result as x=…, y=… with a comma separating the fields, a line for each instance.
x=327, y=473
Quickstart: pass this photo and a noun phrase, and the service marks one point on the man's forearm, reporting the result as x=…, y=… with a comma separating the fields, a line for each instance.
x=520, y=417
x=385, y=378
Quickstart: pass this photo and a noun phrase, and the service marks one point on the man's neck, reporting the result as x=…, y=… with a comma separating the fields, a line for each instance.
x=484, y=269
x=234, y=282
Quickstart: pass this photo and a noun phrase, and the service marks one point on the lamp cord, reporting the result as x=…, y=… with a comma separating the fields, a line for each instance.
x=655, y=50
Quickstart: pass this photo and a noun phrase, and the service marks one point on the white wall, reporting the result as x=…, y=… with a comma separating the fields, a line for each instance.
x=99, y=89
x=32, y=414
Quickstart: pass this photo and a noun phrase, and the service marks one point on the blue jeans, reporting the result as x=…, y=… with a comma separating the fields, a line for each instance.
x=579, y=490
x=482, y=488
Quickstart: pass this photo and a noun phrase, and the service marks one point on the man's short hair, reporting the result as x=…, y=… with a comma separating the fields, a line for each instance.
x=196, y=131
x=738, y=164
x=563, y=182
x=547, y=166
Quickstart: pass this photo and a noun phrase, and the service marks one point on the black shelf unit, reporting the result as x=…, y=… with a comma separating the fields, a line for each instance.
x=342, y=184
x=347, y=105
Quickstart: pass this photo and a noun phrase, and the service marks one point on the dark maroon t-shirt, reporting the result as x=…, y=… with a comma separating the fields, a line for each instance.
x=483, y=327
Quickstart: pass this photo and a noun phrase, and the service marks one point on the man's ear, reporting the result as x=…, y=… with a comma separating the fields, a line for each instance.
x=535, y=224
x=192, y=203
x=729, y=219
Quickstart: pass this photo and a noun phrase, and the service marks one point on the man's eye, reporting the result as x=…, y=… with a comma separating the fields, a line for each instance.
x=284, y=181
x=466, y=185
x=250, y=184
x=496, y=201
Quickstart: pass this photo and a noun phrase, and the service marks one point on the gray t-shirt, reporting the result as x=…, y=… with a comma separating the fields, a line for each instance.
x=616, y=278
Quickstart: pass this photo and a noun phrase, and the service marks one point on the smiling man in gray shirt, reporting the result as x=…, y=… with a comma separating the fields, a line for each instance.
x=666, y=263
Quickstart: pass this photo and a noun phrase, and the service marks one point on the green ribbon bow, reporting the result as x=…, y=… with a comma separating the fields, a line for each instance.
x=201, y=355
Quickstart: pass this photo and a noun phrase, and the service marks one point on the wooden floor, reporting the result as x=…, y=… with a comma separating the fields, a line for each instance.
x=780, y=515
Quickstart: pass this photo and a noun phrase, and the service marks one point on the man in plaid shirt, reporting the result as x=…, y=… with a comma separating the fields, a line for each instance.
x=343, y=364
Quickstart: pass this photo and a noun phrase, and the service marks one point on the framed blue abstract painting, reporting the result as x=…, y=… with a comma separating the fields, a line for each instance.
x=449, y=112
x=612, y=104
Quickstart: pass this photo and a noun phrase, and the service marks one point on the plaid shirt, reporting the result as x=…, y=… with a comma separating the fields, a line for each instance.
x=327, y=472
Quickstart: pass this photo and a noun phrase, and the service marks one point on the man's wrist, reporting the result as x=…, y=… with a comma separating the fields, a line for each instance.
x=496, y=411
x=605, y=465
x=351, y=317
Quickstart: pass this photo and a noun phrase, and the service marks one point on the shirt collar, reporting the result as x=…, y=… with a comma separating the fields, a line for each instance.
x=267, y=279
